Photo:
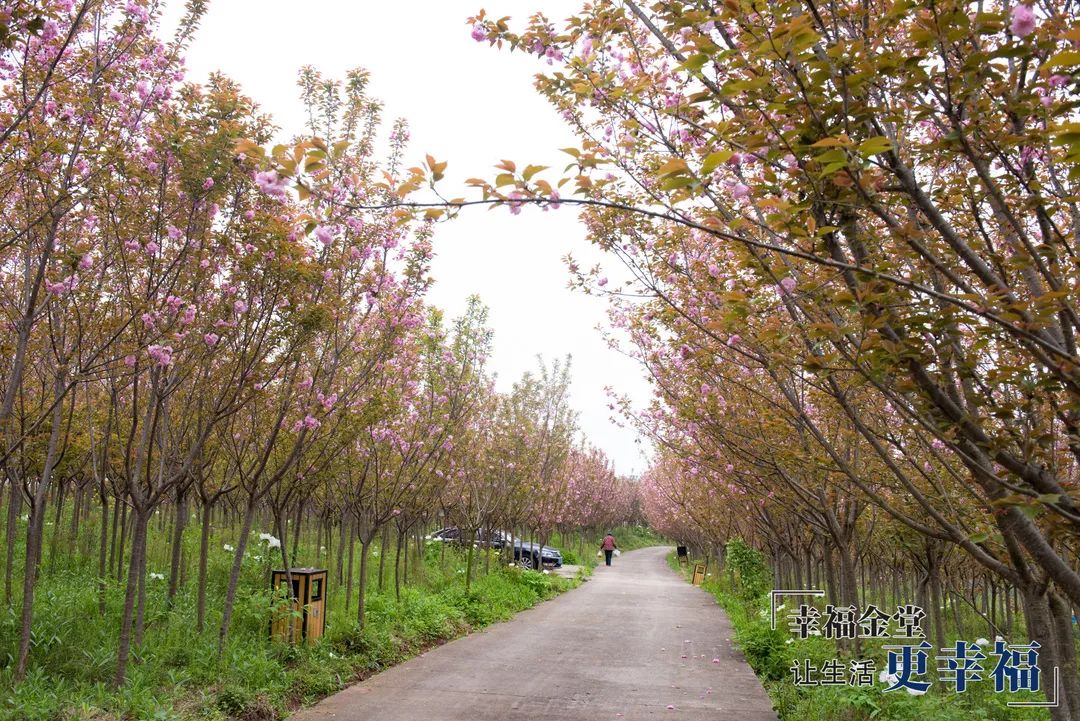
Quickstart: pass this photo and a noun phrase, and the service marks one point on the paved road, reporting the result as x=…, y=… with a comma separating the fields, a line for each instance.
x=634, y=642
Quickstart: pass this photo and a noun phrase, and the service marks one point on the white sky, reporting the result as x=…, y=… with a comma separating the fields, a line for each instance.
x=471, y=105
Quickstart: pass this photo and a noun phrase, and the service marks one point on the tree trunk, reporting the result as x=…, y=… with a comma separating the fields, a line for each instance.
x=204, y=554
x=468, y=569
x=177, y=543
x=33, y=549
x=1062, y=633
x=103, y=542
x=115, y=524
x=361, y=591
x=15, y=498
x=234, y=574
x=341, y=550
x=397, y=567
x=135, y=566
x=383, y=543
x=1041, y=628
x=349, y=578
x=123, y=541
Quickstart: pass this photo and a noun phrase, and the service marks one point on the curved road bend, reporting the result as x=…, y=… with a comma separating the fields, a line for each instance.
x=626, y=645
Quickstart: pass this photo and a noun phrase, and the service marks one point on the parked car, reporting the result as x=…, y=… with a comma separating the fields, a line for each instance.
x=445, y=534
x=525, y=554
x=495, y=539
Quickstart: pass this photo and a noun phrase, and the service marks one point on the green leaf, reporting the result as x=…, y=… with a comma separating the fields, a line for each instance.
x=1066, y=58
x=713, y=160
x=874, y=146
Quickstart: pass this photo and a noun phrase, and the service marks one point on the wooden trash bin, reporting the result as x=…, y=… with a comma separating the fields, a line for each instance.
x=309, y=603
x=699, y=573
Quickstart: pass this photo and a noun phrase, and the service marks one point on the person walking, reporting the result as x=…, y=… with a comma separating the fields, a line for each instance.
x=608, y=547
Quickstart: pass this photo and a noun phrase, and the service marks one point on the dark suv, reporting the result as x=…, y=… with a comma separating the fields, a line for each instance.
x=526, y=555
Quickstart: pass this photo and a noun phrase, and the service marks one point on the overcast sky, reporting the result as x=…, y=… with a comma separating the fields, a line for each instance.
x=468, y=104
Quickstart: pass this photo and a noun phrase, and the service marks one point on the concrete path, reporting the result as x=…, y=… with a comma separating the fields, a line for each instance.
x=634, y=642
x=568, y=571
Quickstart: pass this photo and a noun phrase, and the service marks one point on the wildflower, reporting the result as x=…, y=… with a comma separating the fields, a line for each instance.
x=208, y=183
x=478, y=33
x=211, y=339
x=981, y=642
x=270, y=540
x=156, y=576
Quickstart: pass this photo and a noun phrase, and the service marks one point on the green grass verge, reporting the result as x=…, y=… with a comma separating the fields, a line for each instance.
x=178, y=675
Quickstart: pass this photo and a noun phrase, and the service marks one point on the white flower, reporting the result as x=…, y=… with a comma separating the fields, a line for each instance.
x=512, y=565
x=269, y=540
x=546, y=572
x=781, y=607
x=998, y=639
x=981, y=642
x=888, y=678
x=257, y=558
x=157, y=576
x=790, y=640
x=228, y=548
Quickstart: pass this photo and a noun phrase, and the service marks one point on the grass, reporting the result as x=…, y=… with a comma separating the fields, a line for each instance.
x=771, y=653
x=177, y=674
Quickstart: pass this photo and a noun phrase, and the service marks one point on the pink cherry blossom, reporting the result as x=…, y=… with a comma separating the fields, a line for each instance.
x=211, y=339
x=161, y=354
x=1023, y=21
x=269, y=183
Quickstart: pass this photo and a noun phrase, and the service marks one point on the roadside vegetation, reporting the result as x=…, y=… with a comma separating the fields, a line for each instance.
x=741, y=586
x=179, y=675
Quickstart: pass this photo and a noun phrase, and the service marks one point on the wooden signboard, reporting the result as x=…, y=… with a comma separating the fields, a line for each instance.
x=699, y=574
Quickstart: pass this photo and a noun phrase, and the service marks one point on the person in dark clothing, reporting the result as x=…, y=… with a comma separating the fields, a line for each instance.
x=608, y=547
